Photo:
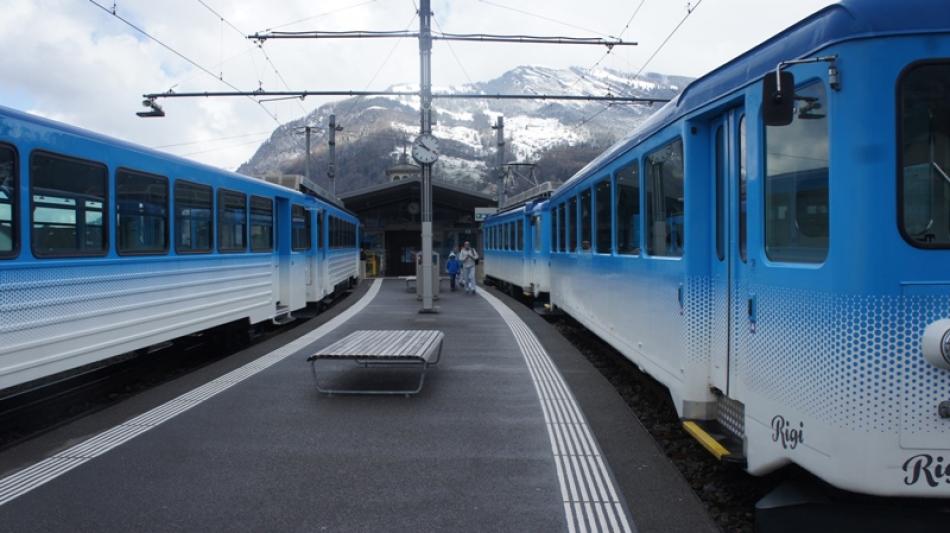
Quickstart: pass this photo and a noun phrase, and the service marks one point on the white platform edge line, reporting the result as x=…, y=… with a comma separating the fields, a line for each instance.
x=191, y=397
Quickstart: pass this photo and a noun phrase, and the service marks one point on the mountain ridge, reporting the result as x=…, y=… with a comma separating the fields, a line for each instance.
x=559, y=136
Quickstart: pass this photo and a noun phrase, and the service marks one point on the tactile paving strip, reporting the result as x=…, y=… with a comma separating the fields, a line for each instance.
x=587, y=488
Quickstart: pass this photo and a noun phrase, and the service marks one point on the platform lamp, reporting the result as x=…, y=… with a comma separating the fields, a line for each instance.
x=155, y=109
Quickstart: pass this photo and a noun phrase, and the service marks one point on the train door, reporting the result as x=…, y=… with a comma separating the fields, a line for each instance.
x=534, y=277
x=284, y=257
x=727, y=175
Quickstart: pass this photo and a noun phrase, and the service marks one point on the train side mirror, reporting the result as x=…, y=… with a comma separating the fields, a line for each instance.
x=778, y=98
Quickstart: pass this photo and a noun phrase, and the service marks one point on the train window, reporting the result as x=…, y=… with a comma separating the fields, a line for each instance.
x=924, y=96
x=262, y=224
x=69, y=199
x=720, y=197
x=9, y=231
x=796, y=181
x=537, y=233
x=300, y=228
x=562, y=228
x=604, y=225
x=586, y=220
x=554, y=229
x=232, y=221
x=743, y=254
x=572, y=225
x=141, y=213
x=628, y=209
x=519, y=230
x=319, y=228
x=664, y=193
x=193, y=207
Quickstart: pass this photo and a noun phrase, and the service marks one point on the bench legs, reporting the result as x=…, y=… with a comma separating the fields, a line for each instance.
x=423, y=367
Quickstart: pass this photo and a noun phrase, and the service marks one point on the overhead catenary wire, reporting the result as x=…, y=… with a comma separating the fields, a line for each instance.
x=259, y=46
x=452, y=50
x=376, y=74
x=205, y=141
x=238, y=145
x=689, y=11
x=543, y=17
x=581, y=77
x=179, y=54
x=318, y=15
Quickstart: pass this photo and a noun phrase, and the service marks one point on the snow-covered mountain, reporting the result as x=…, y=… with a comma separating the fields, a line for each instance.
x=560, y=136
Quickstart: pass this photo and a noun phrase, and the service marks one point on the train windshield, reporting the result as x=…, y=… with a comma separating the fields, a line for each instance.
x=925, y=154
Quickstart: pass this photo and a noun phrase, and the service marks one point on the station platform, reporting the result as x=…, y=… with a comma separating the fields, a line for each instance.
x=513, y=431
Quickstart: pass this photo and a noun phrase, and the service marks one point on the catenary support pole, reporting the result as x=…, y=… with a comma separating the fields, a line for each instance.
x=307, y=131
x=332, y=128
x=499, y=128
x=425, y=90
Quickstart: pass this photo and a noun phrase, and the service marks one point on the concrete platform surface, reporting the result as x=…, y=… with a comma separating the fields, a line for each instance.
x=258, y=449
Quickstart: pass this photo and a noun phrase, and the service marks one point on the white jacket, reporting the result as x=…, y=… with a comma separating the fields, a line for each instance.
x=468, y=257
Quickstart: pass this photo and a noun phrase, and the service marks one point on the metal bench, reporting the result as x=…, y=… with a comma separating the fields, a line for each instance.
x=410, y=282
x=383, y=348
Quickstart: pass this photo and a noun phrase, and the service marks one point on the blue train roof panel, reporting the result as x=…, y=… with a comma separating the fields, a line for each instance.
x=849, y=19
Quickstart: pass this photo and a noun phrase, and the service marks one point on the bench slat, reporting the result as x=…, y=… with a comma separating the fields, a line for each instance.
x=399, y=344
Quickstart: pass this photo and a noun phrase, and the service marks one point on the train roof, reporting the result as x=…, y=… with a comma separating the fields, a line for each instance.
x=105, y=139
x=847, y=20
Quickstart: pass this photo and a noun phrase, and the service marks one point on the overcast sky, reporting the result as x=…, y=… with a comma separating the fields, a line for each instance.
x=72, y=61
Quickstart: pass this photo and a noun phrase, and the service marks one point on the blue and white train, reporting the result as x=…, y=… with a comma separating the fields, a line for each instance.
x=775, y=249
x=107, y=247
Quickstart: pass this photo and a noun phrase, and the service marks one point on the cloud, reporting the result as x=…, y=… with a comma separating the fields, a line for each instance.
x=72, y=61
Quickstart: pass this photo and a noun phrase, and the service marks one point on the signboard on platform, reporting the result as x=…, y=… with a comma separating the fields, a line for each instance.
x=481, y=213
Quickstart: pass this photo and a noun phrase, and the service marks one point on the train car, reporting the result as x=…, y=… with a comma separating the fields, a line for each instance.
x=107, y=248
x=773, y=247
x=517, y=249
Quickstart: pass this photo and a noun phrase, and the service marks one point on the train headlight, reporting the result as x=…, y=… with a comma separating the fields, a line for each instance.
x=936, y=344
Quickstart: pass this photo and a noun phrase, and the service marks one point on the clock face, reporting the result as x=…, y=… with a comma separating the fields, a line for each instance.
x=425, y=149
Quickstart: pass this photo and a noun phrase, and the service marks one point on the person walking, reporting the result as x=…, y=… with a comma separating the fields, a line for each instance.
x=452, y=267
x=469, y=258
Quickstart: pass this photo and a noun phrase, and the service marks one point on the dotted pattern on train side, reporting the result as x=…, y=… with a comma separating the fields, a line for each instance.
x=852, y=361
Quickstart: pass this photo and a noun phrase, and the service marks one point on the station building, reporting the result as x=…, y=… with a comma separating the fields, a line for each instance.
x=391, y=216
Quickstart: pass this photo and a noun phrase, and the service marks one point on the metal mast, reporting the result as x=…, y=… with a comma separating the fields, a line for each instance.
x=425, y=95
x=499, y=128
x=332, y=128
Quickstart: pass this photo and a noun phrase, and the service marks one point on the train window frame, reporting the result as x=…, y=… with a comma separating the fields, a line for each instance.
x=721, y=159
x=307, y=229
x=179, y=250
x=519, y=232
x=648, y=206
x=15, y=239
x=118, y=214
x=743, y=190
x=573, y=208
x=598, y=212
x=320, y=226
x=536, y=222
x=586, y=201
x=780, y=255
x=899, y=88
x=106, y=203
x=563, y=220
x=221, y=192
x=636, y=221
x=250, y=224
